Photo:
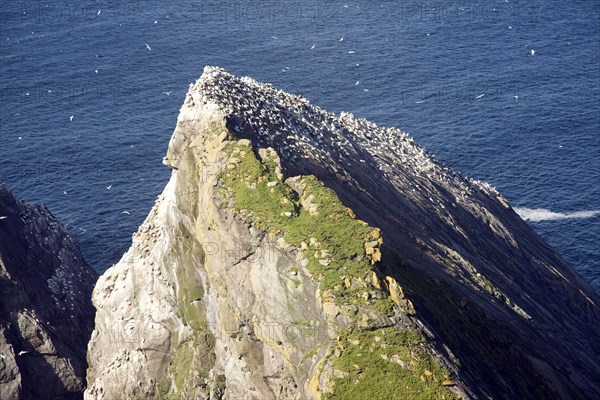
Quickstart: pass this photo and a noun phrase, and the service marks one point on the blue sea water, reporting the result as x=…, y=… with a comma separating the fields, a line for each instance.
x=459, y=76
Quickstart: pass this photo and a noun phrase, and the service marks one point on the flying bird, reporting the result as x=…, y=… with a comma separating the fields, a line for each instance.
x=22, y=352
x=168, y=93
x=71, y=118
x=109, y=186
x=480, y=96
x=125, y=212
x=148, y=47
x=532, y=52
x=313, y=46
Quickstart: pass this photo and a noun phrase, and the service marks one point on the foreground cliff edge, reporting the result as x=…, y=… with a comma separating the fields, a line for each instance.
x=299, y=255
x=46, y=313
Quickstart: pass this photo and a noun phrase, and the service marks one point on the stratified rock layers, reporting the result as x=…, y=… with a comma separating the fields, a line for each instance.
x=46, y=314
x=251, y=279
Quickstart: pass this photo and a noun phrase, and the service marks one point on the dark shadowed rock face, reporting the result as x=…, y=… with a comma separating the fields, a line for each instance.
x=46, y=315
x=251, y=279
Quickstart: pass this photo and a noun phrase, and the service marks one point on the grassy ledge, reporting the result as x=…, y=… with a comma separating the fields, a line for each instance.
x=341, y=250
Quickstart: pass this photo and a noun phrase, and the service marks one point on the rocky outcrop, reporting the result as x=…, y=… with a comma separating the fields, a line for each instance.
x=46, y=314
x=295, y=254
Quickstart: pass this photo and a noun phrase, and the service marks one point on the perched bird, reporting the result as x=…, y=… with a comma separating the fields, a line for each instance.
x=3, y=217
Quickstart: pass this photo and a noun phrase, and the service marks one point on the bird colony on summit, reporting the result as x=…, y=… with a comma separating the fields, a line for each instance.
x=300, y=130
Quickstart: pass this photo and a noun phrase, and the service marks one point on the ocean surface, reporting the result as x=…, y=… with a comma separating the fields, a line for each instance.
x=503, y=91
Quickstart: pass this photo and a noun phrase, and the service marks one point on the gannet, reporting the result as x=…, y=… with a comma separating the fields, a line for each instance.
x=148, y=47
x=532, y=52
x=109, y=186
x=71, y=118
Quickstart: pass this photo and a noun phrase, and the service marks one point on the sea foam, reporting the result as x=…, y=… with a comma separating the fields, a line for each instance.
x=542, y=214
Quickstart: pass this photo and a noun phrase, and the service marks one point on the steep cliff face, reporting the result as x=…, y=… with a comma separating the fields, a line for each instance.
x=46, y=314
x=299, y=255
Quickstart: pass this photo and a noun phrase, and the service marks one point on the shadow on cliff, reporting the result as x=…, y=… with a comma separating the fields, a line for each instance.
x=487, y=357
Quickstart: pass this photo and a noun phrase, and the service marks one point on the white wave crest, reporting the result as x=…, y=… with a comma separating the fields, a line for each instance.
x=541, y=214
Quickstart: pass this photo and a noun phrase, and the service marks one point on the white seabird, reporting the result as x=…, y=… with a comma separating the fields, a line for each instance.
x=71, y=118
x=480, y=96
x=109, y=186
x=532, y=52
x=148, y=47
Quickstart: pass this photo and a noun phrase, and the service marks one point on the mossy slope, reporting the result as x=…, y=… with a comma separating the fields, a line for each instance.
x=369, y=360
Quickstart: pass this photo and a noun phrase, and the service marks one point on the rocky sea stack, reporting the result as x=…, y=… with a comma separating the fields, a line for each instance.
x=46, y=313
x=296, y=254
